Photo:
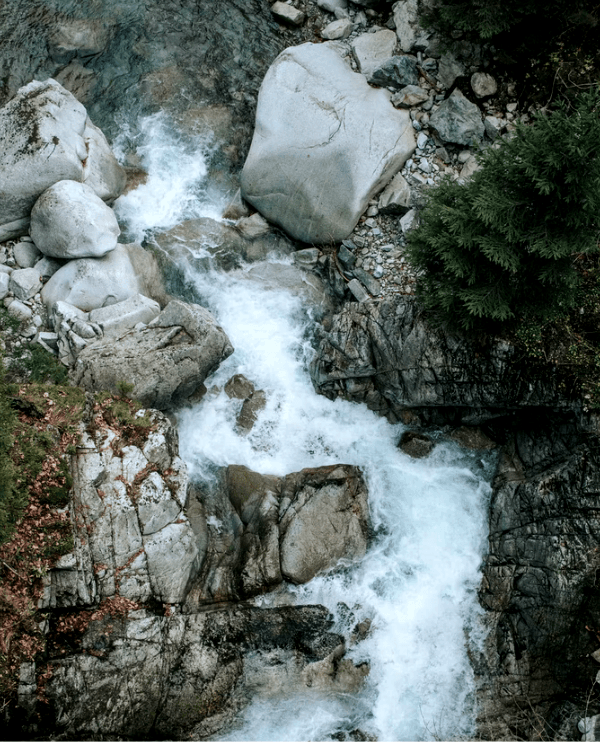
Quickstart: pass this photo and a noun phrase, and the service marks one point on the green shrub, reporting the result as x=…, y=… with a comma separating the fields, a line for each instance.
x=504, y=246
x=11, y=502
x=489, y=18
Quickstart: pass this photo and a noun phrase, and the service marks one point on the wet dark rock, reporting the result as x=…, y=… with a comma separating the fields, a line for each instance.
x=416, y=445
x=256, y=402
x=238, y=387
x=396, y=72
x=387, y=355
x=540, y=577
x=151, y=676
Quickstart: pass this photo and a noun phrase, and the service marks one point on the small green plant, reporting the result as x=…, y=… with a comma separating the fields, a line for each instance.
x=44, y=367
x=125, y=388
x=506, y=245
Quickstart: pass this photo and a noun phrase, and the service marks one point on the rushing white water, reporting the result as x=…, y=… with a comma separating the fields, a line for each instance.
x=417, y=584
x=176, y=186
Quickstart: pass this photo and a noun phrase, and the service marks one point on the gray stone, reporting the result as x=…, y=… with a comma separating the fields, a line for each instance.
x=371, y=284
x=26, y=254
x=171, y=553
x=483, y=84
x=408, y=221
x=77, y=36
x=20, y=311
x=287, y=13
x=90, y=283
x=358, y=290
x=493, y=126
x=4, y=284
x=255, y=498
x=47, y=267
x=101, y=171
x=470, y=166
x=409, y=96
x=372, y=50
x=323, y=519
x=396, y=72
x=408, y=29
x=167, y=361
x=256, y=402
x=118, y=318
x=25, y=283
x=186, y=676
x=308, y=257
x=70, y=221
x=207, y=243
x=48, y=340
x=458, y=120
x=339, y=29
x=236, y=208
x=449, y=69
x=332, y=5
x=62, y=311
x=395, y=198
x=416, y=445
x=17, y=228
x=44, y=129
x=253, y=226
x=324, y=144
x=346, y=257
x=425, y=368
x=290, y=278
x=238, y=387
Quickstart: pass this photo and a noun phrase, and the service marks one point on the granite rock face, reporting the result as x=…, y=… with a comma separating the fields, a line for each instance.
x=539, y=583
x=148, y=676
x=46, y=133
x=324, y=144
x=258, y=529
x=132, y=538
x=70, y=221
x=90, y=283
x=167, y=360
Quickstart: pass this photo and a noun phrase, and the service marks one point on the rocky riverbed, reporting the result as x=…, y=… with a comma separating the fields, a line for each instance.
x=263, y=546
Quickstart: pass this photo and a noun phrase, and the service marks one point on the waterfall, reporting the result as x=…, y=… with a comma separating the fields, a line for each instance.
x=417, y=584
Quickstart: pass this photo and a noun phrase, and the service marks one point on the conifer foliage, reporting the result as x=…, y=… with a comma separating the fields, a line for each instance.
x=504, y=246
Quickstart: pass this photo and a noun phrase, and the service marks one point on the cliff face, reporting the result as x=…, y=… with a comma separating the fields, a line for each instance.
x=539, y=583
x=386, y=355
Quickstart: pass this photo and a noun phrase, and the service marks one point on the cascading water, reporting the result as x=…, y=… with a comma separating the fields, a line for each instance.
x=417, y=583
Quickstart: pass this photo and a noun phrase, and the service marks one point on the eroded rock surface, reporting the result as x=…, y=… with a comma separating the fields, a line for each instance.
x=166, y=361
x=132, y=538
x=540, y=578
x=151, y=676
x=387, y=355
x=258, y=529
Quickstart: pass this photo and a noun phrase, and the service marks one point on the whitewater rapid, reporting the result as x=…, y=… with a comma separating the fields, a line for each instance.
x=417, y=584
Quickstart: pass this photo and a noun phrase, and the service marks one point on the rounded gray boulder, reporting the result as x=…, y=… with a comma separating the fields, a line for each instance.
x=70, y=221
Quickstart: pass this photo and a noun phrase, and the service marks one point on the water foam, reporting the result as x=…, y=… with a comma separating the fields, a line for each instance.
x=176, y=186
x=417, y=584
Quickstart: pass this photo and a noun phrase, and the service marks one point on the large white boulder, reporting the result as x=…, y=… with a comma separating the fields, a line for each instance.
x=46, y=137
x=325, y=142
x=90, y=283
x=70, y=221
